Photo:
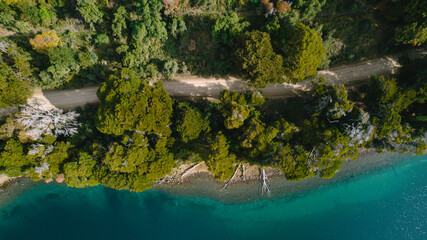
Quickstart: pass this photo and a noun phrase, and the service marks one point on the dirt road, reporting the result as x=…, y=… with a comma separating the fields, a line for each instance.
x=211, y=87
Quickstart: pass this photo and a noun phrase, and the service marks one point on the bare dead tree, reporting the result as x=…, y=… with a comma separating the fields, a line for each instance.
x=38, y=122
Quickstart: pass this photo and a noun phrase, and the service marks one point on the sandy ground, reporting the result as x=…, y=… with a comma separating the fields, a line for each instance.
x=4, y=179
x=186, y=171
x=194, y=86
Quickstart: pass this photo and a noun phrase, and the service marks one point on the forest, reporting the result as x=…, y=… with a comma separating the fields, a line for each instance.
x=139, y=133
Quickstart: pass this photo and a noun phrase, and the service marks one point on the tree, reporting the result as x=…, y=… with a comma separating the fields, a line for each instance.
x=234, y=108
x=116, y=180
x=257, y=138
x=220, y=162
x=102, y=39
x=177, y=27
x=119, y=25
x=132, y=155
x=90, y=11
x=228, y=27
x=44, y=41
x=131, y=104
x=414, y=31
x=63, y=66
x=135, y=155
x=329, y=172
x=87, y=57
x=294, y=163
x=308, y=8
x=189, y=122
x=170, y=68
x=49, y=165
x=162, y=165
x=81, y=173
x=38, y=123
x=331, y=101
x=413, y=75
x=149, y=31
x=254, y=98
x=15, y=82
x=47, y=14
x=257, y=61
x=302, y=52
x=385, y=100
x=13, y=160
x=412, y=34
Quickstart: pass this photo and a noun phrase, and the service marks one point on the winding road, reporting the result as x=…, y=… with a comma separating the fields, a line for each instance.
x=194, y=86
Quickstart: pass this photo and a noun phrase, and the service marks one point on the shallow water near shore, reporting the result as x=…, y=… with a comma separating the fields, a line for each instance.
x=386, y=203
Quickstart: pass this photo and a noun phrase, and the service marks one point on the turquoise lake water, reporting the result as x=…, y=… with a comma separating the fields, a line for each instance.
x=390, y=203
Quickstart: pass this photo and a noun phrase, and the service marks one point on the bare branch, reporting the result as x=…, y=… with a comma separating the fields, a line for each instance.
x=264, y=186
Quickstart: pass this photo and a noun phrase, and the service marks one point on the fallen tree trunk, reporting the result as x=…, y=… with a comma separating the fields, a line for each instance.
x=188, y=171
x=231, y=180
x=264, y=186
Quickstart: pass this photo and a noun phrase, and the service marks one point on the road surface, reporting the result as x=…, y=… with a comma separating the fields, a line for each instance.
x=194, y=86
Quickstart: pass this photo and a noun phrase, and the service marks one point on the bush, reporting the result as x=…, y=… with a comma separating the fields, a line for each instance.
x=102, y=39
x=170, y=67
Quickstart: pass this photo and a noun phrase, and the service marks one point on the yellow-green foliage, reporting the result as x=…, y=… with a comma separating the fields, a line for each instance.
x=80, y=173
x=131, y=104
x=302, y=52
x=234, y=109
x=189, y=122
x=220, y=162
x=44, y=41
x=329, y=172
x=257, y=61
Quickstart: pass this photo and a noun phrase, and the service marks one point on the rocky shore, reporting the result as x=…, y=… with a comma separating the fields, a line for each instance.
x=246, y=185
x=199, y=182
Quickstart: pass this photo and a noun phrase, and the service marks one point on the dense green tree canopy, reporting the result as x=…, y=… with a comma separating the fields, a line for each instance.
x=131, y=104
x=302, y=52
x=234, y=109
x=257, y=61
x=228, y=27
x=331, y=101
x=414, y=31
x=130, y=156
x=148, y=31
x=63, y=66
x=13, y=159
x=189, y=122
x=81, y=173
x=220, y=162
x=90, y=11
x=119, y=25
x=413, y=74
x=386, y=101
x=294, y=163
x=15, y=84
x=308, y=8
x=258, y=138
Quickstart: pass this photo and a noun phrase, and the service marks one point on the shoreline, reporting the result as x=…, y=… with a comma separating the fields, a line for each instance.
x=202, y=184
x=4, y=180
